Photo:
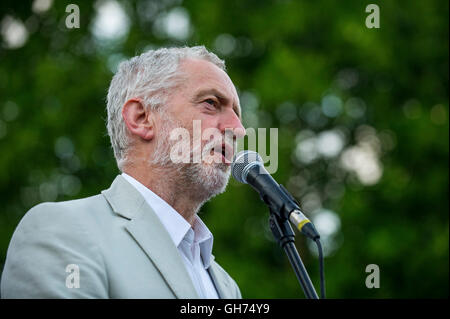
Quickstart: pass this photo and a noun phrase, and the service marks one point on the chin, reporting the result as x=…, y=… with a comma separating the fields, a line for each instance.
x=214, y=178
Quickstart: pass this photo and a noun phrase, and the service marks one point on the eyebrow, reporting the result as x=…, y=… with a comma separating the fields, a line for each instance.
x=219, y=96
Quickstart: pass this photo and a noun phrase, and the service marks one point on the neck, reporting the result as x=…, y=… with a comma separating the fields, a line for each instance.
x=170, y=186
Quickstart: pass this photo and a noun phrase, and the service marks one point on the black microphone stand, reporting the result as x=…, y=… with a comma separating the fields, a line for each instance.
x=284, y=235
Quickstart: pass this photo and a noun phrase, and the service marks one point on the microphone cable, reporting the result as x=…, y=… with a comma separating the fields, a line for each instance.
x=321, y=269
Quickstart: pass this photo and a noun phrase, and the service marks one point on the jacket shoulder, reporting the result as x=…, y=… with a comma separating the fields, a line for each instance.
x=65, y=213
x=49, y=238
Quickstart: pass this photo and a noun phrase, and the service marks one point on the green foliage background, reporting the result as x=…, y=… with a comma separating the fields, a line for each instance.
x=286, y=58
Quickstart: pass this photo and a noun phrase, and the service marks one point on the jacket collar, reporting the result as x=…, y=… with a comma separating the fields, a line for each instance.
x=149, y=233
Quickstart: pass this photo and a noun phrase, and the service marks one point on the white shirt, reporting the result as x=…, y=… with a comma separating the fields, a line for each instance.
x=194, y=243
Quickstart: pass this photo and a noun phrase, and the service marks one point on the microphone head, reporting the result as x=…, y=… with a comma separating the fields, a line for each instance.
x=242, y=161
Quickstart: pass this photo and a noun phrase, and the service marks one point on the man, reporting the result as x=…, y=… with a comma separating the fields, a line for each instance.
x=141, y=238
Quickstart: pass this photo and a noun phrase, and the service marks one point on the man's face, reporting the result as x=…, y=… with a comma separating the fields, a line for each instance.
x=208, y=97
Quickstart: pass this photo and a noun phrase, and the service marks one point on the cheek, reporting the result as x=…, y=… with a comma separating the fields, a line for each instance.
x=202, y=126
x=210, y=122
x=212, y=136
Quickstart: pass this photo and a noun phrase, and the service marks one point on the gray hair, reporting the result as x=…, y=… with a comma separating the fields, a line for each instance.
x=150, y=77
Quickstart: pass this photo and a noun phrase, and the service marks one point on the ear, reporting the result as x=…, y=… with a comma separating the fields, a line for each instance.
x=138, y=119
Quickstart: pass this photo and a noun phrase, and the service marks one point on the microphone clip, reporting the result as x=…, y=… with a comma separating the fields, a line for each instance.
x=281, y=230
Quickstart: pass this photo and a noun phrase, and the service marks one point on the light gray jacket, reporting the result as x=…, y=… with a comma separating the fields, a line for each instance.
x=119, y=248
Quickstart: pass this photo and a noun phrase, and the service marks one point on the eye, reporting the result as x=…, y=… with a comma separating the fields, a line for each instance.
x=211, y=102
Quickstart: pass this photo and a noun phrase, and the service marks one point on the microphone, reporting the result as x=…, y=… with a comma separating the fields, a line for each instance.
x=247, y=167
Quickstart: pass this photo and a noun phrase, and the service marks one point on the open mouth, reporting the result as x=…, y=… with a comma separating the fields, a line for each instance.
x=225, y=151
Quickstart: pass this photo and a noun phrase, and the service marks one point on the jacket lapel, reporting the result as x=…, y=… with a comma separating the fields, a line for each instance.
x=149, y=233
x=221, y=286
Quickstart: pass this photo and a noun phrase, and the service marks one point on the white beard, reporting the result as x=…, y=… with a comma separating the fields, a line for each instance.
x=202, y=180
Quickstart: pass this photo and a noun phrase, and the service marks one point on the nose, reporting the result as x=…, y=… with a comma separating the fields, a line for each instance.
x=232, y=122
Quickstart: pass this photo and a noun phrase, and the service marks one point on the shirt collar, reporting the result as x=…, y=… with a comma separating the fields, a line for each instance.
x=205, y=240
x=177, y=227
